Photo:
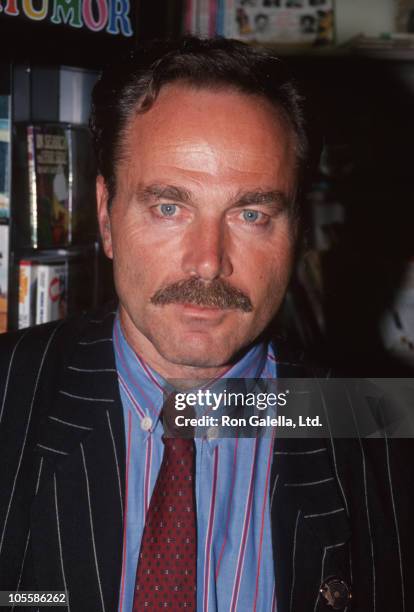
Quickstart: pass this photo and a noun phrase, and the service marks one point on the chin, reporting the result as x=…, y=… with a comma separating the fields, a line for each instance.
x=195, y=353
x=197, y=359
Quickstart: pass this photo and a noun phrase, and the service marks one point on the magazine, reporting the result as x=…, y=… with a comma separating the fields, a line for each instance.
x=4, y=275
x=5, y=138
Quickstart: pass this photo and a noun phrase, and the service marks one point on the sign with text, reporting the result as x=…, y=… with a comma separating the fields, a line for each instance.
x=109, y=16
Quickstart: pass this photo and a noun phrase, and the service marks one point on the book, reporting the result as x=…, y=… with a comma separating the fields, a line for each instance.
x=51, y=300
x=54, y=186
x=52, y=94
x=5, y=162
x=41, y=185
x=51, y=288
x=4, y=275
x=204, y=18
x=27, y=293
x=220, y=10
x=305, y=22
x=200, y=17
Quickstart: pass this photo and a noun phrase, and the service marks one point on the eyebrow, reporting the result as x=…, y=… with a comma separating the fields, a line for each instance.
x=269, y=198
x=168, y=192
x=151, y=193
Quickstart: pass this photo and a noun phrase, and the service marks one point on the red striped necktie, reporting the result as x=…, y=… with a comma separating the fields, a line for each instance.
x=167, y=563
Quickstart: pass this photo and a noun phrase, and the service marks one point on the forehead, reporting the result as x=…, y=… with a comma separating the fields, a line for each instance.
x=216, y=133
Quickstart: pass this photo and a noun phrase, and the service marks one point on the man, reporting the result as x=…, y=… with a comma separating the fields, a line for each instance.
x=307, y=24
x=201, y=147
x=261, y=23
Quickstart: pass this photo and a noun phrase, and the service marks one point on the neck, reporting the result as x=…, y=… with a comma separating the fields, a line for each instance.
x=168, y=370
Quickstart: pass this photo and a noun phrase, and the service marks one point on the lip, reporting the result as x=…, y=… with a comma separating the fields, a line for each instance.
x=205, y=311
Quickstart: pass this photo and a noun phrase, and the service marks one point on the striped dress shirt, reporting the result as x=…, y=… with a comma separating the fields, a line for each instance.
x=234, y=545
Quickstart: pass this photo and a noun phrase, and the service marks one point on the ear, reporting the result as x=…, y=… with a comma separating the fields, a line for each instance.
x=104, y=220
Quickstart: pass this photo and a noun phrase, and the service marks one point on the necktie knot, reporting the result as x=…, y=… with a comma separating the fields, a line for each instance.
x=178, y=446
x=169, y=415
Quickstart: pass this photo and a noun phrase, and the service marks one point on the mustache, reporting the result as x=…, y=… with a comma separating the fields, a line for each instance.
x=217, y=293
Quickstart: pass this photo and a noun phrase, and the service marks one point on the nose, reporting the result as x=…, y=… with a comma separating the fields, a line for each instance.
x=206, y=251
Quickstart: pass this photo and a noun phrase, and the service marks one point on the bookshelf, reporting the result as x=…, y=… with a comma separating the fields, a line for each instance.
x=49, y=250
x=48, y=67
x=5, y=186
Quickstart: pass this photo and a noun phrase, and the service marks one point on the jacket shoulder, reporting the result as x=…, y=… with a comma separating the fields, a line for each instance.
x=292, y=361
x=32, y=359
x=31, y=356
x=24, y=348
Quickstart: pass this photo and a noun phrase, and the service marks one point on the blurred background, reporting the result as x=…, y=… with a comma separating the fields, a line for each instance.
x=351, y=302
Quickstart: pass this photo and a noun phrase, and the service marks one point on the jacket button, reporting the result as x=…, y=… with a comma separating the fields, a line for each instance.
x=336, y=593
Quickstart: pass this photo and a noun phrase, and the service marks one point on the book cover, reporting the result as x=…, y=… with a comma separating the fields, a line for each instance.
x=41, y=185
x=308, y=22
x=54, y=186
x=4, y=275
x=220, y=17
x=27, y=293
x=190, y=16
x=204, y=18
x=5, y=161
x=213, y=18
x=50, y=207
x=51, y=302
x=229, y=18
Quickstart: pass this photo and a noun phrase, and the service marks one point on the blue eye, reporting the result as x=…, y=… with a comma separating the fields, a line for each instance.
x=168, y=210
x=251, y=215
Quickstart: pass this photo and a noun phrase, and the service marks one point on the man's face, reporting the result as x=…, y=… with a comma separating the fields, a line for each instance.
x=261, y=23
x=204, y=196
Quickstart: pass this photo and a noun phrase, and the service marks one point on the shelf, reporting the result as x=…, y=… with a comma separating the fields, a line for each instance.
x=287, y=50
x=394, y=52
x=64, y=252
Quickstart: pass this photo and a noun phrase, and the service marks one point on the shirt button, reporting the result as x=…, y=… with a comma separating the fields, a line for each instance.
x=146, y=423
x=213, y=433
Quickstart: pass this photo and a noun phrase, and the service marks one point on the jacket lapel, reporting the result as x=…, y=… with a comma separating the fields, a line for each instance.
x=81, y=489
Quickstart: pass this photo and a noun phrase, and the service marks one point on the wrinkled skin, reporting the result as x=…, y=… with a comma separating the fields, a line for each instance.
x=205, y=189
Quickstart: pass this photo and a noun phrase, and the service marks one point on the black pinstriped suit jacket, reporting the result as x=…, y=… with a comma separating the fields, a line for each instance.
x=339, y=507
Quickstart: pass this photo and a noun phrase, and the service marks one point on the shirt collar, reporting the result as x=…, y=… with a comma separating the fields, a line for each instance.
x=143, y=386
